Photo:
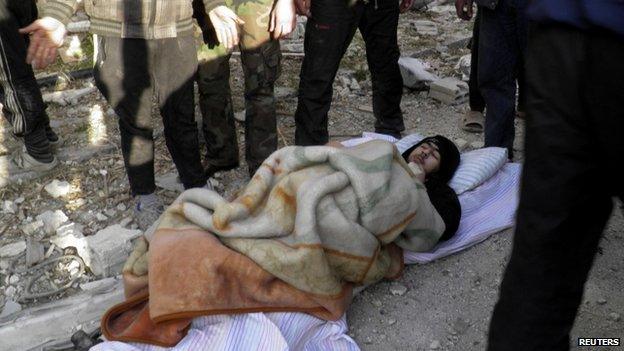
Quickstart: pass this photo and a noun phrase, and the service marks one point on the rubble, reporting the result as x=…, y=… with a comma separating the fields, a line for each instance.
x=109, y=249
x=67, y=97
x=9, y=207
x=415, y=73
x=10, y=307
x=450, y=91
x=35, y=252
x=397, y=289
x=57, y=188
x=52, y=220
x=13, y=249
x=170, y=181
x=425, y=27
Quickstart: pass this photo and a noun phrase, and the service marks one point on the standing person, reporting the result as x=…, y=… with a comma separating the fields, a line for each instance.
x=473, y=119
x=20, y=96
x=329, y=31
x=263, y=23
x=572, y=169
x=145, y=49
x=501, y=45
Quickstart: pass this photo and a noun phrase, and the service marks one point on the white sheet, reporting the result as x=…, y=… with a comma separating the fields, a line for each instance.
x=486, y=210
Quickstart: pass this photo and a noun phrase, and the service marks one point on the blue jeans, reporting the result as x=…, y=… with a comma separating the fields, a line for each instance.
x=502, y=42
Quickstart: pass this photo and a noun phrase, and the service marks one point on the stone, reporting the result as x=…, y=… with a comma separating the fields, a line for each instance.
x=461, y=144
x=67, y=97
x=35, y=252
x=283, y=93
x=57, y=188
x=9, y=207
x=69, y=228
x=10, y=291
x=397, y=289
x=292, y=47
x=100, y=217
x=19, y=200
x=477, y=144
x=435, y=344
x=52, y=220
x=109, y=249
x=614, y=316
x=392, y=321
x=13, y=249
x=354, y=85
x=121, y=207
x=240, y=116
x=376, y=303
x=425, y=27
x=601, y=301
x=14, y=279
x=34, y=228
x=9, y=308
x=450, y=91
x=124, y=222
x=171, y=182
x=110, y=212
x=463, y=67
x=415, y=73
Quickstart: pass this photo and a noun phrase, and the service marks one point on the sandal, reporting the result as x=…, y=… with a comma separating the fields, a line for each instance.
x=472, y=121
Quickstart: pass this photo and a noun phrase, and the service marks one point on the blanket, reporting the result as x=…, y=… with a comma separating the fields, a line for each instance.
x=312, y=223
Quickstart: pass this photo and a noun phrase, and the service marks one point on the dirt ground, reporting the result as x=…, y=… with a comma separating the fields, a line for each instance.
x=447, y=304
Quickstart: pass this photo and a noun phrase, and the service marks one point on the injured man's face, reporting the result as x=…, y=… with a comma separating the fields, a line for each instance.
x=427, y=156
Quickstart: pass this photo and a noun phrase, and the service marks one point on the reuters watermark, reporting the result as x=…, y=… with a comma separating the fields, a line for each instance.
x=598, y=342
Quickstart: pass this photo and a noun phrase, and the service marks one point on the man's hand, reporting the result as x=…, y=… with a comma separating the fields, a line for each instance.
x=225, y=23
x=303, y=7
x=464, y=9
x=405, y=5
x=46, y=35
x=283, y=18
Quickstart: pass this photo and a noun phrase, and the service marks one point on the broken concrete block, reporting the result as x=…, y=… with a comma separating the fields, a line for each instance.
x=461, y=144
x=52, y=220
x=477, y=145
x=425, y=27
x=110, y=247
x=414, y=73
x=57, y=188
x=449, y=90
x=67, y=96
x=56, y=321
x=13, y=249
x=170, y=181
x=9, y=308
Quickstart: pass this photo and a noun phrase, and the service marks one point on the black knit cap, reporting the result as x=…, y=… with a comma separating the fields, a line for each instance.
x=449, y=157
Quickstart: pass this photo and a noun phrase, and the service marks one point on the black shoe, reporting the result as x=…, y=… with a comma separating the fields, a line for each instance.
x=211, y=169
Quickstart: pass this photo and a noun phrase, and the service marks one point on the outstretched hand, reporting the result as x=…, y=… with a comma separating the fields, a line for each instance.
x=283, y=18
x=46, y=35
x=225, y=23
x=464, y=9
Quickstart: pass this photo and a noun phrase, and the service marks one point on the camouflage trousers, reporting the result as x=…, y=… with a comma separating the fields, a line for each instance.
x=260, y=56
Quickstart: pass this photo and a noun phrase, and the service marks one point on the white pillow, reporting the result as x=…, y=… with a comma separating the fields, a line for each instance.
x=475, y=167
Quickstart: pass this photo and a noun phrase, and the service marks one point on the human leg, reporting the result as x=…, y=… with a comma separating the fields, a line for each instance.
x=261, y=59
x=566, y=190
x=378, y=26
x=175, y=65
x=328, y=34
x=215, y=103
x=499, y=52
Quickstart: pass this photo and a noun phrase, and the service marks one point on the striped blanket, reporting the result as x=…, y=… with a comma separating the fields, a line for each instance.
x=312, y=223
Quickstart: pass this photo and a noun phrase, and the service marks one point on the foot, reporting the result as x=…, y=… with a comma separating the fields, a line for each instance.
x=22, y=160
x=147, y=210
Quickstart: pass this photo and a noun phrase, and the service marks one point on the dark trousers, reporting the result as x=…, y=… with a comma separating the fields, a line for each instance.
x=502, y=42
x=328, y=34
x=574, y=143
x=475, y=99
x=20, y=96
x=129, y=72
